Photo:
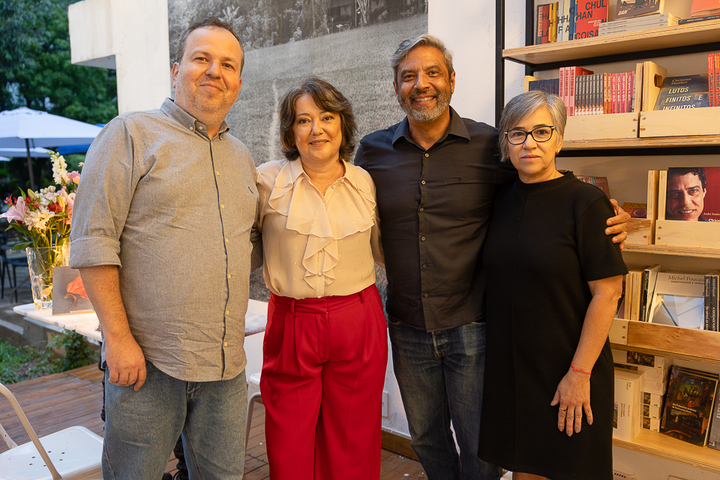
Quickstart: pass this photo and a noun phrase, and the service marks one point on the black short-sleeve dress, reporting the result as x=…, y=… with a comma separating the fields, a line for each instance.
x=545, y=242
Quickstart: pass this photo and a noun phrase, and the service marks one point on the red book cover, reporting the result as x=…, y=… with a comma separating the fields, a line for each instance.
x=711, y=80
x=700, y=8
x=543, y=18
x=561, y=85
x=615, y=93
x=717, y=79
x=590, y=14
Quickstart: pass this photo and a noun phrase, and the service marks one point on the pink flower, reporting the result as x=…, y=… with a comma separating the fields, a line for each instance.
x=73, y=177
x=17, y=212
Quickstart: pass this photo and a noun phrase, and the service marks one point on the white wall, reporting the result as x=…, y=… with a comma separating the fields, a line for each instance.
x=131, y=36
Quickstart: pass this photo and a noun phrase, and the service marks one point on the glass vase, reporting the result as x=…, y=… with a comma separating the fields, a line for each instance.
x=41, y=261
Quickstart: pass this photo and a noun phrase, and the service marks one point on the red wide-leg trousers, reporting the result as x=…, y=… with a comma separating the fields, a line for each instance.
x=324, y=362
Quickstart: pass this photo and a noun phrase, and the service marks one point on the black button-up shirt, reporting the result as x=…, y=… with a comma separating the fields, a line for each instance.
x=434, y=210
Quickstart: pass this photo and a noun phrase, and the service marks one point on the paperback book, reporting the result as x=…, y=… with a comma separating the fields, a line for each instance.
x=688, y=405
x=688, y=91
x=678, y=299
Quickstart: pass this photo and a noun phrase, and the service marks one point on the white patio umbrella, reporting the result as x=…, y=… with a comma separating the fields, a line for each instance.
x=36, y=152
x=28, y=128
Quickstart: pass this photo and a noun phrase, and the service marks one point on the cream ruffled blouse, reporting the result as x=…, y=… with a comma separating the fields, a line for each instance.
x=317, y=245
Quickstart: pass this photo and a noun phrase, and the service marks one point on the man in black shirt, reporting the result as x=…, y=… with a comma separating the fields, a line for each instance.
x=436, y=176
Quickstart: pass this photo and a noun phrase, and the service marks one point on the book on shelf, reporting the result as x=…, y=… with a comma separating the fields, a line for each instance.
x=712, y=297
x=590, y=14
x=633, y=8
x=627, y=418
x=635, y=210
x=703, y=8
x=689, y=405
x=563, y=19
x=678, y=299
x=684, y=21
x=713, y=440
x=547, y=85
x=552, y=23
x=688, y=91
x=693, y=194
x=714, y=79
x=640, y=23
x=542, y=24
x=600, y=182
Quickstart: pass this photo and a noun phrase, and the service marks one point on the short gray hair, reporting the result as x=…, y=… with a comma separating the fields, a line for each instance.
x=522, y=107
x=420, y=41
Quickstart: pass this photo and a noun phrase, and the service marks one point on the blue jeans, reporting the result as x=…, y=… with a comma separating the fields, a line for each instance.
x=142, y=427
x=440, y=375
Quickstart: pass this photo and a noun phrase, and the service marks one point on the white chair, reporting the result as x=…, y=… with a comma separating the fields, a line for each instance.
x=70, y=454
x=253, y=381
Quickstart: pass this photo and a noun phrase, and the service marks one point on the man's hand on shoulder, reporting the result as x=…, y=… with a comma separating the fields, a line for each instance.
x=618, y=225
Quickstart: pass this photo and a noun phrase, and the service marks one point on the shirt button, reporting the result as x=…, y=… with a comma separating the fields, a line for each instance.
x=422, y=238
x=222, y=205
x=425, y=295
x=217, y=172
x=229, y=276
x=227, y=312
x=227, y=241
x=422, y=182
x=424, y=265
x=225, y=344
x=422, y=209
x=427, y=155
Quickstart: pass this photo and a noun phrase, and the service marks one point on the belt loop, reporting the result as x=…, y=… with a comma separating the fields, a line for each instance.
x=292, y=307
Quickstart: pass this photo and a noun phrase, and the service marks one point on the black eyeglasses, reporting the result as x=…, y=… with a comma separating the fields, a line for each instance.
x=539, y=134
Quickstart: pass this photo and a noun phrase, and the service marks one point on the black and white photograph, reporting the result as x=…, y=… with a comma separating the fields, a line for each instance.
x=346, y=42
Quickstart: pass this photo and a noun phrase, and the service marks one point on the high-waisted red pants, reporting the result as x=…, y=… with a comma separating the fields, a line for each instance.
x=324, y=362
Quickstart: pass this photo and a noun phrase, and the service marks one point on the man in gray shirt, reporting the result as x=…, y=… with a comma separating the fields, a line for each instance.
x=161, y=235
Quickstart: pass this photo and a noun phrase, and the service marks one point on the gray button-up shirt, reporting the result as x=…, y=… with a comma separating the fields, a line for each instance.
x=174, y=210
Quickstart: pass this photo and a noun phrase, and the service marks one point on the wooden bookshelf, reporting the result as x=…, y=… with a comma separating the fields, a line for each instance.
x=698, y=346
x=620, y=43
x=671, y=250
x=651, y=130
x=663, y=446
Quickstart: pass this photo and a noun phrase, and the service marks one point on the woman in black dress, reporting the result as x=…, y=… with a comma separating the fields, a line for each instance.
x=554, y=279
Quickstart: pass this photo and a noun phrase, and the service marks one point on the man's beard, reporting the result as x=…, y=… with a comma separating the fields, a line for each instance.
x=427, y=115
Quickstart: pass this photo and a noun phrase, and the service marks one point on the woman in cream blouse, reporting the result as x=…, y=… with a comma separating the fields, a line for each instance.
x=325, y=347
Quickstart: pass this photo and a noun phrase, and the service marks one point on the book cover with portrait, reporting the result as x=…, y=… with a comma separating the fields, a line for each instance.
x=693, y=194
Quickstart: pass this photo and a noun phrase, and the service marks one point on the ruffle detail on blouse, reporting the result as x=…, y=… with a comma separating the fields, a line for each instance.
x=294, y=197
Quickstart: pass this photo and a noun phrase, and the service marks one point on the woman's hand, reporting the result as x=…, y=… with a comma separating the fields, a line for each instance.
x=573, y=397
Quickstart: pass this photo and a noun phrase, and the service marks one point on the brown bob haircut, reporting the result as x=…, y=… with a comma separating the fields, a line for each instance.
x=327, y=98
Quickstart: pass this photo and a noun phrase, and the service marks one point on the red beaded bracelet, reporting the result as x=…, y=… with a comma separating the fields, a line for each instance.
x=579, y=369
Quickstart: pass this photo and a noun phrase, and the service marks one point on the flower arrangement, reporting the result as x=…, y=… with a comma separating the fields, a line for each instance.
x=42, y=219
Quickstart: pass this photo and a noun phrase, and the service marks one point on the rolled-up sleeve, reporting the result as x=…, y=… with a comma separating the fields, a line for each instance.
x=103, y=198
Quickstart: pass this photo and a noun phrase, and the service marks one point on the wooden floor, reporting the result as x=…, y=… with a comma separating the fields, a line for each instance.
x=75, y=398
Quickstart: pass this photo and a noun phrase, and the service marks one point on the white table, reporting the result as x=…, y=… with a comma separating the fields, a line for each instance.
x=87, y=324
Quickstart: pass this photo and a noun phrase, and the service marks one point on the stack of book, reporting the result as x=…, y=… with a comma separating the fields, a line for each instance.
x=568, y=20
x=639, y=23
x=653, y=383
x=627, y=421
x=678, y=299
x=587, y=93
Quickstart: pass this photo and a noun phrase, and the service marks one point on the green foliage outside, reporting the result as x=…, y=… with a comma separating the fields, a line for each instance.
x=24, y=363
x=35, y=72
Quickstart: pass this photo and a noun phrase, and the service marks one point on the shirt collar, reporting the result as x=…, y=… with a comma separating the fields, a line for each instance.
x=172, y=110
x=456, y=127
x=351, y=175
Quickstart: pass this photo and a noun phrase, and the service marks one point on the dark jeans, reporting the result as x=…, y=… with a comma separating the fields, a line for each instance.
x=440, y=375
